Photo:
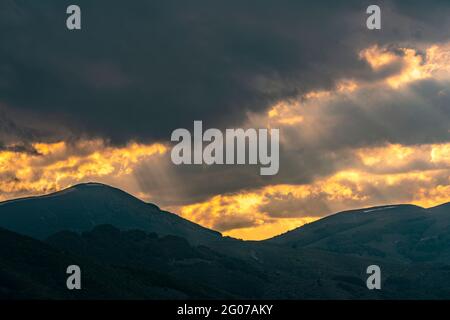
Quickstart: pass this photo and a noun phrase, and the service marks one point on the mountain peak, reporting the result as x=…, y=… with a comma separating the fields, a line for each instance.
x=91, y=189
x=91, y=184
x=80, y=207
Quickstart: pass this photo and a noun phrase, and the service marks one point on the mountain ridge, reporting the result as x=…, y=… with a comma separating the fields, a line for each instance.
x=83, y=187
x=149, y=253
x=81, y=207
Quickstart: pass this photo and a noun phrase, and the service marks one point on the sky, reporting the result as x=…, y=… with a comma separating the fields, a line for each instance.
x=364, y=115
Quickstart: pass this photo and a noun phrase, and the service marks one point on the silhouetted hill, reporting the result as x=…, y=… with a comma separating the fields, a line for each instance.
x=254, y=269
x=225, y=276
x=84, y=206
x=31, y=269
x=405, y=233
x=130, y=249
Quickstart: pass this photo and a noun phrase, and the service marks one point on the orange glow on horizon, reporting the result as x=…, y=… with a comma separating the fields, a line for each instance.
x=375, y=175
x=253, y=214
x=384, y=169
x=59, y=165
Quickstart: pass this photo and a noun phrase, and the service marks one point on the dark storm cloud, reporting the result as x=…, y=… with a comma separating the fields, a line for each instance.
x=323, y=144
x=139, y=70
x=14, y=133
x=415, y=114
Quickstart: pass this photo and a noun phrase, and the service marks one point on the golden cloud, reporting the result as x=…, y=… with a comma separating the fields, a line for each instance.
x=55, y=166
x=386, y=176
x=286, y=113
x=415, y=66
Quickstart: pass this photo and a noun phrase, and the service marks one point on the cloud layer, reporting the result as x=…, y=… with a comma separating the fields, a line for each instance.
x=139, y=71
x=363, y=115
